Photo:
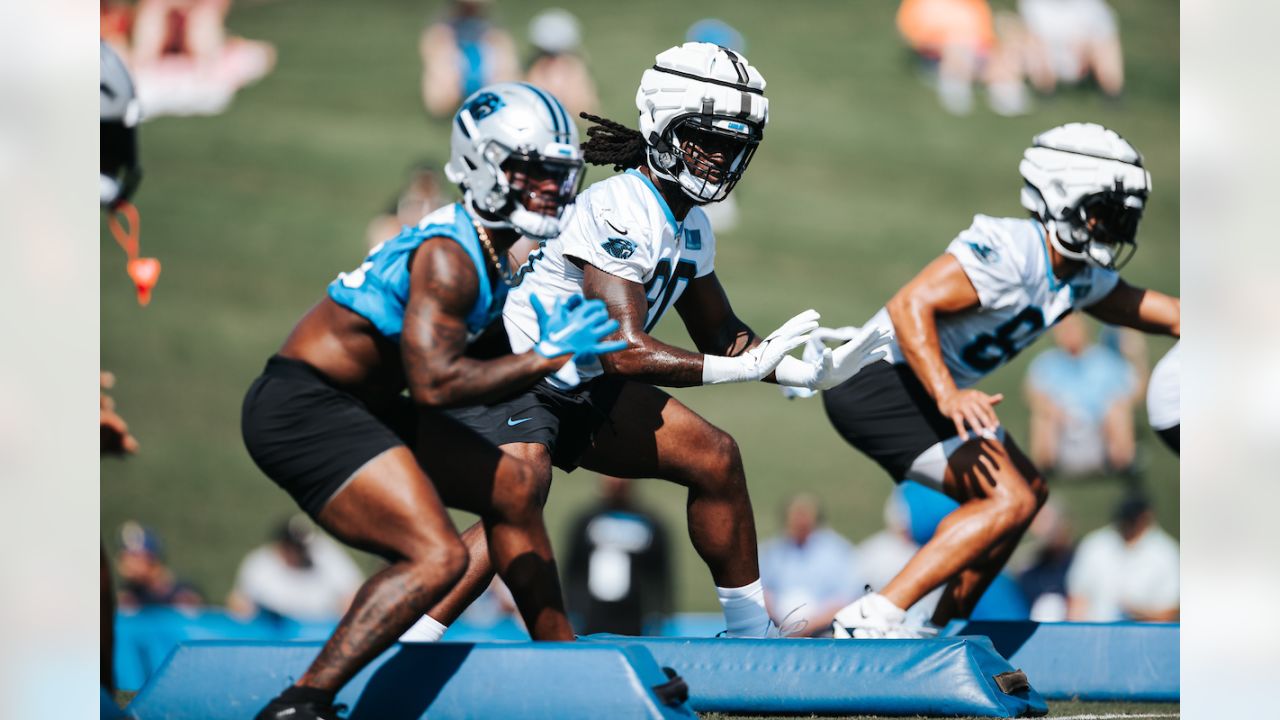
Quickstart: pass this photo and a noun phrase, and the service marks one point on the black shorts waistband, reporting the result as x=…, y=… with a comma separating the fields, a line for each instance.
x=279, y=366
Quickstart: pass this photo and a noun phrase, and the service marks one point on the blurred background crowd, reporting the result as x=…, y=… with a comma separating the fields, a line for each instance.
x=875, y=157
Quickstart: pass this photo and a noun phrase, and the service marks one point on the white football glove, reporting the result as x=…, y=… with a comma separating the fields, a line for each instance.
x=823, y=368
x=759, y=361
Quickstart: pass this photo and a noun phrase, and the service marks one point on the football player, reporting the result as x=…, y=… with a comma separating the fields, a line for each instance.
x=118, y=175
x=327, y=420
x=998, y=287
x=640, y=242
x=1163, y=393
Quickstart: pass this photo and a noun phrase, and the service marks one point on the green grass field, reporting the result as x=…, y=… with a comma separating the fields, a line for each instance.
x=861, y=180
x=1074, y=709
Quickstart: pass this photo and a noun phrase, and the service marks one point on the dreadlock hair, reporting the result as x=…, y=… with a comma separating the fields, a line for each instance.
x=612, y=143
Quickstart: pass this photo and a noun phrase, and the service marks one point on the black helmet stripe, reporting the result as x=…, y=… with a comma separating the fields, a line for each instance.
x=713, y=81
x=743, y=77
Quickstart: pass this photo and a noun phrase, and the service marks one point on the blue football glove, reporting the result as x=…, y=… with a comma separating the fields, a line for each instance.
x=575, y=326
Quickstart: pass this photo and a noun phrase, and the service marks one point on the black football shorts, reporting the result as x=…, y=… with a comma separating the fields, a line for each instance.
x=885, y=412
x=565, y=421
x=310, y=437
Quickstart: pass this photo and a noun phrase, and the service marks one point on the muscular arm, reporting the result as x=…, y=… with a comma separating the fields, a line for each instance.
x=442, y=290
x=645, y=359
x=1141, y=309
x=942, y=287
x=715, y=329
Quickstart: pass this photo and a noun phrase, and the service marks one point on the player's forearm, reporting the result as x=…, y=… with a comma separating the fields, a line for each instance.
x=656, y=363
x=916, y=329
x=470, y=382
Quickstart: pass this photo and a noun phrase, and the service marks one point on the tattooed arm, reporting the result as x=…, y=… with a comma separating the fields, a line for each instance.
x=442, y=289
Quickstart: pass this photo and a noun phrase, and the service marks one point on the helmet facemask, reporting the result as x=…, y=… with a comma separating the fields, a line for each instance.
x=1101, y=229
x=530, y=190
x=705, y=154
x=118, y=171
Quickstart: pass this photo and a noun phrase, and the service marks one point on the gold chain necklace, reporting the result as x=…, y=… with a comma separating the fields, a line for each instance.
x=483, y=233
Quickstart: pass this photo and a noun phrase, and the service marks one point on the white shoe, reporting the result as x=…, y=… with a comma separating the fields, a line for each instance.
x=870, y=617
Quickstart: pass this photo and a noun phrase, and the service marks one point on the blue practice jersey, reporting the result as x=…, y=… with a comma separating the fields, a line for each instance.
x=379, y=289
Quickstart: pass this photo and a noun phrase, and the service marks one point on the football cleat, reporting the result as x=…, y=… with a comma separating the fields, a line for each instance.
x=280, y=709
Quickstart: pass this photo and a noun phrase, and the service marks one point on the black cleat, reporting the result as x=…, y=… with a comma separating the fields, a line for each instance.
x=281, y=709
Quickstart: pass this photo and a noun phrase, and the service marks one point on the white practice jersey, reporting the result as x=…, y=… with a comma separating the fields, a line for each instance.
x=1163, y=391
x=622, y=226
x=1019, y=297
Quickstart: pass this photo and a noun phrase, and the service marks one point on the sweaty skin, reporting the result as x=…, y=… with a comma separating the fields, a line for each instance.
x=652, y=435
x=998, y=487
x=394, y=506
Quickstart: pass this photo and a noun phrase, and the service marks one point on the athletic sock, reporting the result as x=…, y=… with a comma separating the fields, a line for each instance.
x=427, y=629
x=744, y=613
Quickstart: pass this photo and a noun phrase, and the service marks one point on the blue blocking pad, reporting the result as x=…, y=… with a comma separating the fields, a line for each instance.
x=233, y=680
x=1090, y=661
x=943, y=676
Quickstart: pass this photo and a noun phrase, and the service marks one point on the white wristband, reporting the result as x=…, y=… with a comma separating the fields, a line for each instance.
x=718, y=369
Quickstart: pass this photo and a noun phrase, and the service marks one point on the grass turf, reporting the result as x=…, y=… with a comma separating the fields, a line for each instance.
x=1078, y=709
x=860, y=181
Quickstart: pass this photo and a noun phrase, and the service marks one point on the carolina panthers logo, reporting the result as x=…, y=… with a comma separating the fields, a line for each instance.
x=484, y=105
x=693, y=239
x=985, y=253
x=620, y=248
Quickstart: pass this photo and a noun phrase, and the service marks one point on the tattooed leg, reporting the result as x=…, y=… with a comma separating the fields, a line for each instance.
x=389, y=508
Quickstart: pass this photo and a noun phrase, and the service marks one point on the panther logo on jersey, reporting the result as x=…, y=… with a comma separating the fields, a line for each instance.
x=620, y=248
x=985, y=253
x=484, y=105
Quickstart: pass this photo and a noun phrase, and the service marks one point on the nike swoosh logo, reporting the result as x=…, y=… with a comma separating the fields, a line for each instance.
x=512, y=422
x=616, y=229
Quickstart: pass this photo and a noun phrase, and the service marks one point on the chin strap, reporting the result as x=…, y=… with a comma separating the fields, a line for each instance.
x=522, y=220
x=144, y=271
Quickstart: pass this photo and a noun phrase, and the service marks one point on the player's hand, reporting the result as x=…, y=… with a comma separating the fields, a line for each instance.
x=761, y=360
x=972, y=408
x=824, y=368
x=844, y=362
x=575, y=327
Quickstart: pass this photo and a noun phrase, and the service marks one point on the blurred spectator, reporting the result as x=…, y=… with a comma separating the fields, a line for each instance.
x=1082, y=397
x=1071, y=40
x=618, y=578
x=722, y=215
x=716, y=32
x=184, y=61
x=422, y=195
x=113, y=431
x=1125, y=571
x=959, y=38
x=300, y=575
x=809, y=573
x=144, y=577
x=461, y=53
x=1044, y=579
x=115, y=23
x=557, y=65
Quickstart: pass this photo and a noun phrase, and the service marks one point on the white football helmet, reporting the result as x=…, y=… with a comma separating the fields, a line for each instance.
x=118, y=113
x=1088, y=186
x=505, y=137
x=708, y=91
